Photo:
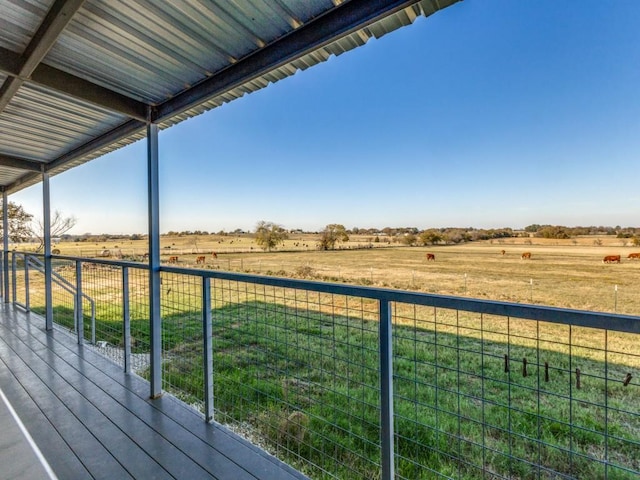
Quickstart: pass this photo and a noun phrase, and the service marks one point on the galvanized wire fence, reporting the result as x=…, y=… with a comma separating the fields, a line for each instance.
x=566, y=291
x=356, y=382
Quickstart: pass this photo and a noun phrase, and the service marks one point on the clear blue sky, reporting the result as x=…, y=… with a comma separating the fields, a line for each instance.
x=491, y=113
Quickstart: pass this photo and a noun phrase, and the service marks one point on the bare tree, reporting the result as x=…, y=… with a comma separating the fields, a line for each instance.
x=59, y=225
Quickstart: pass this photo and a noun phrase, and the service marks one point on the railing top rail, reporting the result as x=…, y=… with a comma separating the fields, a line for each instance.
x=581, y=318
x=103, y=261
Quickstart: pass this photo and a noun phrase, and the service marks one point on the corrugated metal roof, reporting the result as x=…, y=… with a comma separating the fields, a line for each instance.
x=109, y=62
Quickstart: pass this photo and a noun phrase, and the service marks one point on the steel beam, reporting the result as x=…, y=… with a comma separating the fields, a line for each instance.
x=58, y=17
x=20, y=163
x=76, y=87
x=155, y=319
x=340, y=21
x=123, y=131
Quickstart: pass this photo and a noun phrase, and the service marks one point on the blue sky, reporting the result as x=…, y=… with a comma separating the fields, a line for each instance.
x=491, y=113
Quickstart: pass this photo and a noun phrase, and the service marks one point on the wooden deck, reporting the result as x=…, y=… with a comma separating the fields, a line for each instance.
x=90, y=420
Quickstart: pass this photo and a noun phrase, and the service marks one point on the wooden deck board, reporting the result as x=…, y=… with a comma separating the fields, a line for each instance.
x=81, y=408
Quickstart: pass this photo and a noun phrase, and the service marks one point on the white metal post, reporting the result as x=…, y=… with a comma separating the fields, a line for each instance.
x=154, y=260
x=78, y=309
x=5, y=246
x=208, y=349
x=46, y=221
x=126, y=316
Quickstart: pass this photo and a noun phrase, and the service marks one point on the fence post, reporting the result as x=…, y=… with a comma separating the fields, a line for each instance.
x=386, y=390
x=26, y=283
x=126, y=324
x=78, y=312
x=208, y=349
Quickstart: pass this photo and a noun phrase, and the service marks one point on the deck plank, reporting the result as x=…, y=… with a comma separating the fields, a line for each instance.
x=91, y=406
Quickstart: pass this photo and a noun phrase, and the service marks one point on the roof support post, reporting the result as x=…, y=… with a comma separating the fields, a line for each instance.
x=5, y=247
x=155, y=318
x=386, y=390
x=46, y=223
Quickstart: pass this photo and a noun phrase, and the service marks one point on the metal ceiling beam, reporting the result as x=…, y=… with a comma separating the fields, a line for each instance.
x=58, y=17
x=76, y=87
x=20, y=163
x=123, y=131
x=112, y=136
x=340, y=21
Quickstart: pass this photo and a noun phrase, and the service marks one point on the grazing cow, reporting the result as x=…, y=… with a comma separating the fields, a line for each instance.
x=200, y=259
x=634, y=255
x=611, y=259
x=503, y=252
x=214, y=255
x=431, y=256
x=526, y=256
x=173, y=259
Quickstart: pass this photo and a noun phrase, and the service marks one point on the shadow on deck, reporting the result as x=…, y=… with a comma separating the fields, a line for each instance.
x=91, y=420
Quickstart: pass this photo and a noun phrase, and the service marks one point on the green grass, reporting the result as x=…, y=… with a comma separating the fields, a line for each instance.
x=271, y=360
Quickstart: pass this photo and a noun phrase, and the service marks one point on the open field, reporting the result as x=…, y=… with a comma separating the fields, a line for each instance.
x=564, y=273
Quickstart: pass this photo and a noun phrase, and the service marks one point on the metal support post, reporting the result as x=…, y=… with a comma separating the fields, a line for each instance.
x=155, y=319
x=5, y=245
x=46, y=221
x=79, y=314
x=208, y=349
x=26, y=284
x=126, y=324
x=386, y=390
x=14, y=289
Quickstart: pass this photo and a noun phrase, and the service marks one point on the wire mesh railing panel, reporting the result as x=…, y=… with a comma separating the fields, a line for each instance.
x=139, y=313
x=479, y=395
x=62, y=293
x=19, y=279
x=297, y=372
x=182, y=337
x=102, y=308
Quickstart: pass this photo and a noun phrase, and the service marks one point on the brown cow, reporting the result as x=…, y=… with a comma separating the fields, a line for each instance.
x=173, y=259
x=526, y=256
x=214, y=255
x=611, y=259
x=634, y=255
x=200, y=259
x=431, y=256
x=503, y=252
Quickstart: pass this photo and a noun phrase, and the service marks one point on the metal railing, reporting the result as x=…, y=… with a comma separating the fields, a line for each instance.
x=31, y=264
x=344, y=381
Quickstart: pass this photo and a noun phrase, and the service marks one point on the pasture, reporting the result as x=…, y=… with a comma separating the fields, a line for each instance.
x=563, y=273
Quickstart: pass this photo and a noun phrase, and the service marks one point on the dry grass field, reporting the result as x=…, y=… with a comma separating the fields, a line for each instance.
x=566, y=273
